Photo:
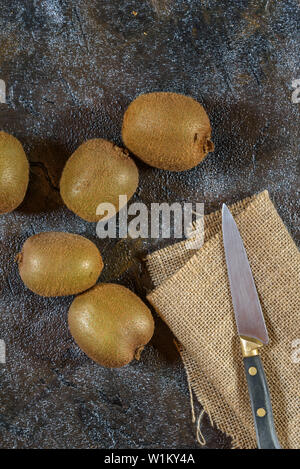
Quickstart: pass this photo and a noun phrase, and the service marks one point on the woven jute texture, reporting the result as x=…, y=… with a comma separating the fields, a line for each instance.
x=192, y=296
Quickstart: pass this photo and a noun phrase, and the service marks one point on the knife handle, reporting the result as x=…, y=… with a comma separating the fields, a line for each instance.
x=260, y=403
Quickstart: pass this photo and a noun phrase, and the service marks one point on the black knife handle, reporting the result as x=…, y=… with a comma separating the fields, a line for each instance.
x=260, y=403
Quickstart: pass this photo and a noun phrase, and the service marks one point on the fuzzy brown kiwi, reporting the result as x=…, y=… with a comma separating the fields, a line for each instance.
x=57, y=263
x=167, y=130
x=14, y=173
x=97, y=172
x=110, y=324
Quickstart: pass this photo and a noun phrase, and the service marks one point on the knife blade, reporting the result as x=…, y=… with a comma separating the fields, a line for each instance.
x=248, y=314
x=251, y=329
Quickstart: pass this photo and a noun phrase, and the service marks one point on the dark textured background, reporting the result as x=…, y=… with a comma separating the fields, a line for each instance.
x=70, y=72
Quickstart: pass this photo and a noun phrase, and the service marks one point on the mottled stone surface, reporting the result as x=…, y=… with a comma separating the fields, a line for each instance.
x=71, y=68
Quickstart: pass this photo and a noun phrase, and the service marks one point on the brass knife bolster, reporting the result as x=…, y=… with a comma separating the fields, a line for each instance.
x=250, y=346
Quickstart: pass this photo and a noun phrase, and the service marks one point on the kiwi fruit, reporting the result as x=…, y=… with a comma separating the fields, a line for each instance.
x=110, y=324
x=14, y=173
x=58, y=264
x=167, y=130
x=97, y=172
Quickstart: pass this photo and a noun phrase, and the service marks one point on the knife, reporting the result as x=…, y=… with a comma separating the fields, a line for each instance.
x=251, y=329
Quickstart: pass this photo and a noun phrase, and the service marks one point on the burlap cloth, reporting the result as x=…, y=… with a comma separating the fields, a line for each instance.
x=192, y=296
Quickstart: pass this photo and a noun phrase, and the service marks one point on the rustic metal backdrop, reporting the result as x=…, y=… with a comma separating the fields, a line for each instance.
x=71, y=69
